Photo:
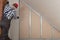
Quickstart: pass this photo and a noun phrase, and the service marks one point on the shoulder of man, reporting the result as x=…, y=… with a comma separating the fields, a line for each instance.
x=8, y=8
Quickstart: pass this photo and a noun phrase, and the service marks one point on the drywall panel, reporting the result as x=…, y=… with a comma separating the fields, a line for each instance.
x=24, y=21
x=46, y=29
x=56, y=34
x=35, y=32
x=50, y=9
x=35, y=25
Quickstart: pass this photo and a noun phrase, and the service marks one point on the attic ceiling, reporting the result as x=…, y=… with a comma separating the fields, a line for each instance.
x=50, y=9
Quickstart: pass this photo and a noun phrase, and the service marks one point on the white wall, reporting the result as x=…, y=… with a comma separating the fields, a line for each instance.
x=14, y=29
x=50, y=9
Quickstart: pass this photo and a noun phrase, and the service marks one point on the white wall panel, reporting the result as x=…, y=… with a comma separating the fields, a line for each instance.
x=47, y=30
x=35, y=25
x=24, y=21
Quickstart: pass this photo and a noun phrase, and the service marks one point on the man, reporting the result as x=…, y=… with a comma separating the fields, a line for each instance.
x=8, y=14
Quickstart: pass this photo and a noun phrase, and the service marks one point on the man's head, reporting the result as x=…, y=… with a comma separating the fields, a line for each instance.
x=15, y=5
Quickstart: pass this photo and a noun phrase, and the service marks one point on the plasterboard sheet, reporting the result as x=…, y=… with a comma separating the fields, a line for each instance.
x=35, y=25
x=24, y=21
x=46, y=29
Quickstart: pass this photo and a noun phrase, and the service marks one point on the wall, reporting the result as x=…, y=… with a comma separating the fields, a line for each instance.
x=50, y=9
x=33, y=28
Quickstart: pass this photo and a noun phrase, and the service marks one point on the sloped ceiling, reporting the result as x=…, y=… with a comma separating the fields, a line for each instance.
x=50, y=9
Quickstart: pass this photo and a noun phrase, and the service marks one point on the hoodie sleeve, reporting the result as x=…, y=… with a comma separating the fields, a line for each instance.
x=9, y=12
